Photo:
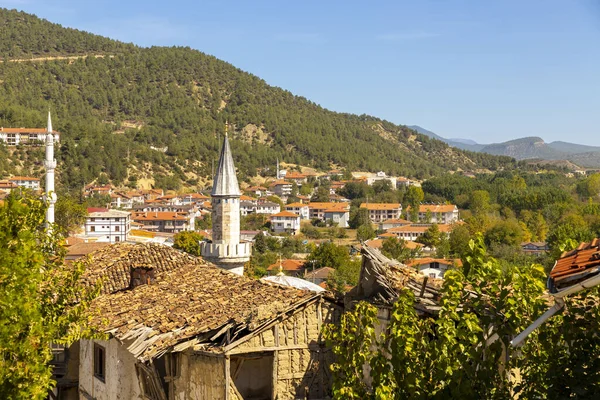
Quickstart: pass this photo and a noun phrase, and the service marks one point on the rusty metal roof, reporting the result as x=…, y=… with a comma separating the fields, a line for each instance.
x=576, y=265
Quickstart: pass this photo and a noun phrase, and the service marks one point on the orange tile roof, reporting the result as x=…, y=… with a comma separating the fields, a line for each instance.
x=381, y=206
x=576, y=265
x=158, y=216
x=296, y=205
x=197, y=196
x=25, y=130
x=23, y=178
x=295, y=175
x=246, y=198
x=396, y=221
x=328, y=206
x=287, y=265
x=255, y=188
x=285, y=214
x=428, y=260
x=280, y=182
x=437, y=208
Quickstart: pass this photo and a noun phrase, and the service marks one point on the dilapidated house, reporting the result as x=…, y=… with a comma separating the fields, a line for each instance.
x=194, y=331
x=382, y=279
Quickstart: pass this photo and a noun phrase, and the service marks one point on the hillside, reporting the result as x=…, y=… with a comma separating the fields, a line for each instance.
x=525, y=148
x=131, y=113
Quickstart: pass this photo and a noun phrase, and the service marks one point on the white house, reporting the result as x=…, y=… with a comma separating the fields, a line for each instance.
x=25, y=136
x=298, y=208
x=381, y=176
x=108, y=225
x=282, y=188
x=26, y=182
x=285, y=222
x=379, y=212
x=439, y=213
x=338, y=217
x=267, y=207
x=433, y=267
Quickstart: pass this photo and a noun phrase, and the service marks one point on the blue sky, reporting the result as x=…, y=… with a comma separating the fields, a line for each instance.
x=485, y=70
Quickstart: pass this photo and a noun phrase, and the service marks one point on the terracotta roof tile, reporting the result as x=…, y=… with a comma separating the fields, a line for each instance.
x=112, y=263
x=577, y=264
x=381, y=206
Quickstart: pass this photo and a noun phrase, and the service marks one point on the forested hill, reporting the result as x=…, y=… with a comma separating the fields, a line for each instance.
x=133, y=113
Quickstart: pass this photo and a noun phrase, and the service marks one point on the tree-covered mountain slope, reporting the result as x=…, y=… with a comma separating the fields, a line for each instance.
x=135, y=113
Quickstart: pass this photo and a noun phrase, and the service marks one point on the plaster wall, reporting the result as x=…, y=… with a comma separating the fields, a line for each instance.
x=121, y=380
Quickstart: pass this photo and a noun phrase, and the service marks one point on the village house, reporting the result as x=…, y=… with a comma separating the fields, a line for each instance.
x=194, y=199
x=288, y=266
x=26, y=182
x=247, y=207
x=184, y=329
x=317, y=209
x=171, y=222
x=438, y=213
x=258, y=191
x=172, y=199
x=281, y=188
x=285, y=222
x=377, y=243
x=107, y=225
x=267, y=207
x=434, y=267
x=379, y=212
x=151, y=194
x=298, y=208
x=96, y=190
x=318, y=276
x=535, y=248
x=337, y=217
x=121, y=200
x=381, y=176
x=26, y=136
x=393, y=223
x=7, y=186
x=296, y=177
x=412, y=232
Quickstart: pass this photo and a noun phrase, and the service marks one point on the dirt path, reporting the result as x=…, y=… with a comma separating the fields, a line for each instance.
x=42, y=59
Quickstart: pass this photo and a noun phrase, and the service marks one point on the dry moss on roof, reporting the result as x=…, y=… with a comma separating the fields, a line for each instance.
x=113, y=263
x=194, y=304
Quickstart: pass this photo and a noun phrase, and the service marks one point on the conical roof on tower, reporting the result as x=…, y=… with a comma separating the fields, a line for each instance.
x=225, y=182
x=49, y=128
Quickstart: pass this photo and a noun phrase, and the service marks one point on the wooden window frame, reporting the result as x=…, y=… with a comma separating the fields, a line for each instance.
x=99, y=362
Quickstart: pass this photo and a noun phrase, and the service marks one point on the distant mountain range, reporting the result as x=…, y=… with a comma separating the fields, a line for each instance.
x=528, y=148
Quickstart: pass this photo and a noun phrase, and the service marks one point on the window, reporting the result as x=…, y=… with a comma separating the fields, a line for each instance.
x=93, y=219
x=117, y=239
x=99, y=362
x=93, y=229
x=117, y=228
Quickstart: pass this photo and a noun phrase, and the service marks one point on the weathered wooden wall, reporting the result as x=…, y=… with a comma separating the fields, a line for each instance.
x=200, y=377
x=301, y=359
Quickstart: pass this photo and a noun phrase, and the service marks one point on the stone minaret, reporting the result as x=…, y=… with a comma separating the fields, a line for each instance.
x=226, y=250
x=50, y=164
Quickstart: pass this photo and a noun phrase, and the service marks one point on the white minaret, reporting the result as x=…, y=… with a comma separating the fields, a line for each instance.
x=50, y=164
x=277, y=168
x=226, y=250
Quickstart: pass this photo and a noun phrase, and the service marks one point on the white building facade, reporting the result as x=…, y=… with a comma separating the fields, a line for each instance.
x=108, y=226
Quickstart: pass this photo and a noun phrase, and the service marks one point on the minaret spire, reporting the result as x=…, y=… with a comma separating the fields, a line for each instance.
x=50, y=164
x=226, y=249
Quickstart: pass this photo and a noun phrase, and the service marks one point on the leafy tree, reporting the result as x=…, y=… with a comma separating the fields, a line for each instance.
x=41, y=299
x=459, y=240
x=70, y=215
x=328, y=254
x=396, y=248
x=431, y=237
x=260, y=244
x=365, y=232
x=189, y=242
x=358, y=217
x=457, y=355
x=505, y=232
x=413, y=198
x=479, y=201
x=321, y=195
